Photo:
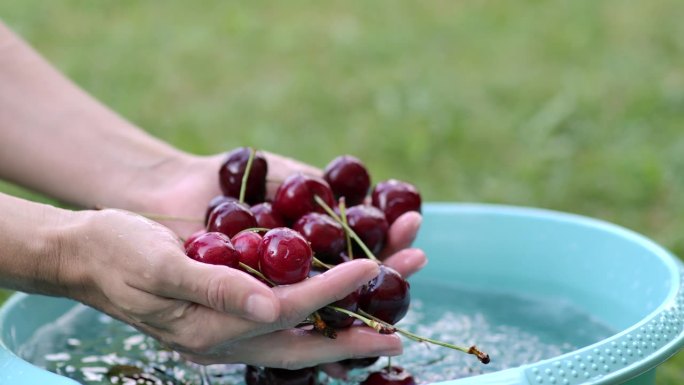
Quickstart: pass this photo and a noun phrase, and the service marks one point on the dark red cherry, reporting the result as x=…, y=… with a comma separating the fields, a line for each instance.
x=348, y=177
x=370, y=225
x=338, y=320
x=247, y=244
x=230, y=218
x=272, y=376
x=215, y=202
x=284, y=256
x=395, y=197
x=386, y=296
x=233, y=169
x=192, y=237
x=357, y=363
x=295, y=196
x=266, y=216
x=325, y=235
x=213, y=248
x=394, y=376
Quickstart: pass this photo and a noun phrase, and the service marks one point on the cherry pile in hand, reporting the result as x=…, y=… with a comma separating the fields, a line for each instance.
x=304, y=231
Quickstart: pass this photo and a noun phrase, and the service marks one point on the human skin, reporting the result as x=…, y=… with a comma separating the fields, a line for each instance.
x=58, y=140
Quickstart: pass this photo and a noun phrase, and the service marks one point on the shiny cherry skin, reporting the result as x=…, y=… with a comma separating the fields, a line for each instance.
x=215, y=202
x=370, y=225
x=192, y=237
x=272, y=376
x=325, y=235
x=395, y=197
x=233, y=169
x=386, y=296
x=348, y=178
x=247, y=244
x=394, y=376
x=338, y=320
x=284, y=256
x=215, y=249
x=295, y=196
x=266, y=216
x=230, y=218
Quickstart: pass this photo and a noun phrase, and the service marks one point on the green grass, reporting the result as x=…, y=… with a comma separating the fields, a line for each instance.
x=574, y=106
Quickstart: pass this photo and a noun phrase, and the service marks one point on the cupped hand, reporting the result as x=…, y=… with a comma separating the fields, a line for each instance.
x=135, y=270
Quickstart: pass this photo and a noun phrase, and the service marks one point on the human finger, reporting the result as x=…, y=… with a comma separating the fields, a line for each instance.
x=407, y=261
x=402, y=233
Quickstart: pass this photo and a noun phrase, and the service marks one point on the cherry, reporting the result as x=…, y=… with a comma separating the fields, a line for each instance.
x=247, y=244
x=336, y=319
x=348, y=177
x=266, y=216
x=295, y=196
x=192, y=237
x=230, y=218
x=213, y=248
x=233, y=169
x=370, y=225
x=272, y=376
x=215, y=202
x=393, y=376
x=395, y=197
x=357, y=363
x=325, y=235
x=284, y=256
x=386, y=296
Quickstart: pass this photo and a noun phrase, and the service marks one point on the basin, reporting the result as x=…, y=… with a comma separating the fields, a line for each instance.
x=619, y=278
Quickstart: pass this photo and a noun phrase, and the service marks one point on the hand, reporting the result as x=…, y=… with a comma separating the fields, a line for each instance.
x=191, y=183
x=135, y=270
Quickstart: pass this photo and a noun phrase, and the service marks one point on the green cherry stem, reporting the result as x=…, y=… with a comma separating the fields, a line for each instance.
x=245, y=176
x=257, y=273
x=379, y=327
x=343, y=213
x=318, y=263
x=346, y=227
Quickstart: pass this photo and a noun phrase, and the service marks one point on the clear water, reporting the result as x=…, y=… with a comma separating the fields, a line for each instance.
x=86, y=345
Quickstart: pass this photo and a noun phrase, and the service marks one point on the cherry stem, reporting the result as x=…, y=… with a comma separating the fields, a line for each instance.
x=343, y=213
x=483, y=357
x=322, y=327
x=256, y=272
x=349, y=230
x=317, y=262
x=379, y=327
x=245, y=176
x=389, y=364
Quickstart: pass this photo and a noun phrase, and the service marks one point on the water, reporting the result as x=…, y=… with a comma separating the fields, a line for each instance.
x=89, y=347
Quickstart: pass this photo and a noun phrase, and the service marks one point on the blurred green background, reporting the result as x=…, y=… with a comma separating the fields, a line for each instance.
x=575, y=106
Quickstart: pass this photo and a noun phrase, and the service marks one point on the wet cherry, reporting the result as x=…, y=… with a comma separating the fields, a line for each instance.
x=325, y=235
x=394, y=376
x=266, y=216
x=370, y=225
x=295, y=196
x=348, y=177
x=247, y=244
x=192, y=237
x=213, y=248
x=395, y=197
x=284, y=256
x=233, y=169
x=215, y=202
x=336, y=319
x=386, y=296
x=230, y=218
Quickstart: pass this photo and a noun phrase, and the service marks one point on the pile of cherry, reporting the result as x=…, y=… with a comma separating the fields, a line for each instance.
x=311, y=225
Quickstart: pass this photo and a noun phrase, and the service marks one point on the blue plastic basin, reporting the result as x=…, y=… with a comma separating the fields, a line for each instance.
x=619, y=277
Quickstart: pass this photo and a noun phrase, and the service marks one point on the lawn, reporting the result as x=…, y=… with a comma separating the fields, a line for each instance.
x=575, y=106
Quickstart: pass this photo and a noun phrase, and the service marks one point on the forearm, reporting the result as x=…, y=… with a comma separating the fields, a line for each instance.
x=31, y=235
x=56, y=139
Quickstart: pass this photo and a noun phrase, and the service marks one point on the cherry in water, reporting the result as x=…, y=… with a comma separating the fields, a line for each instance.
x=386, y=296
x=230, y=218
x=395, y=197
x=370, y=225
x=233, y=169
x=295, y=196
x=348, y=177
x=325, y=235
x=272, y=376
x=284, y=256
x=213, y=248
x=247, y=244
x=266, y=216
x=395, y=375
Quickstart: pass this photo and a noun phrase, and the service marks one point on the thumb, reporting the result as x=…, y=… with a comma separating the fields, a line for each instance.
x=223, y=289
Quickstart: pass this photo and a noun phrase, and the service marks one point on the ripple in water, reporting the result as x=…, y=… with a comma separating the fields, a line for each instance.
x=85, y=345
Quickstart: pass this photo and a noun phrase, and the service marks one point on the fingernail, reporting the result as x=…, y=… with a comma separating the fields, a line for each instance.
x=260, y=308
